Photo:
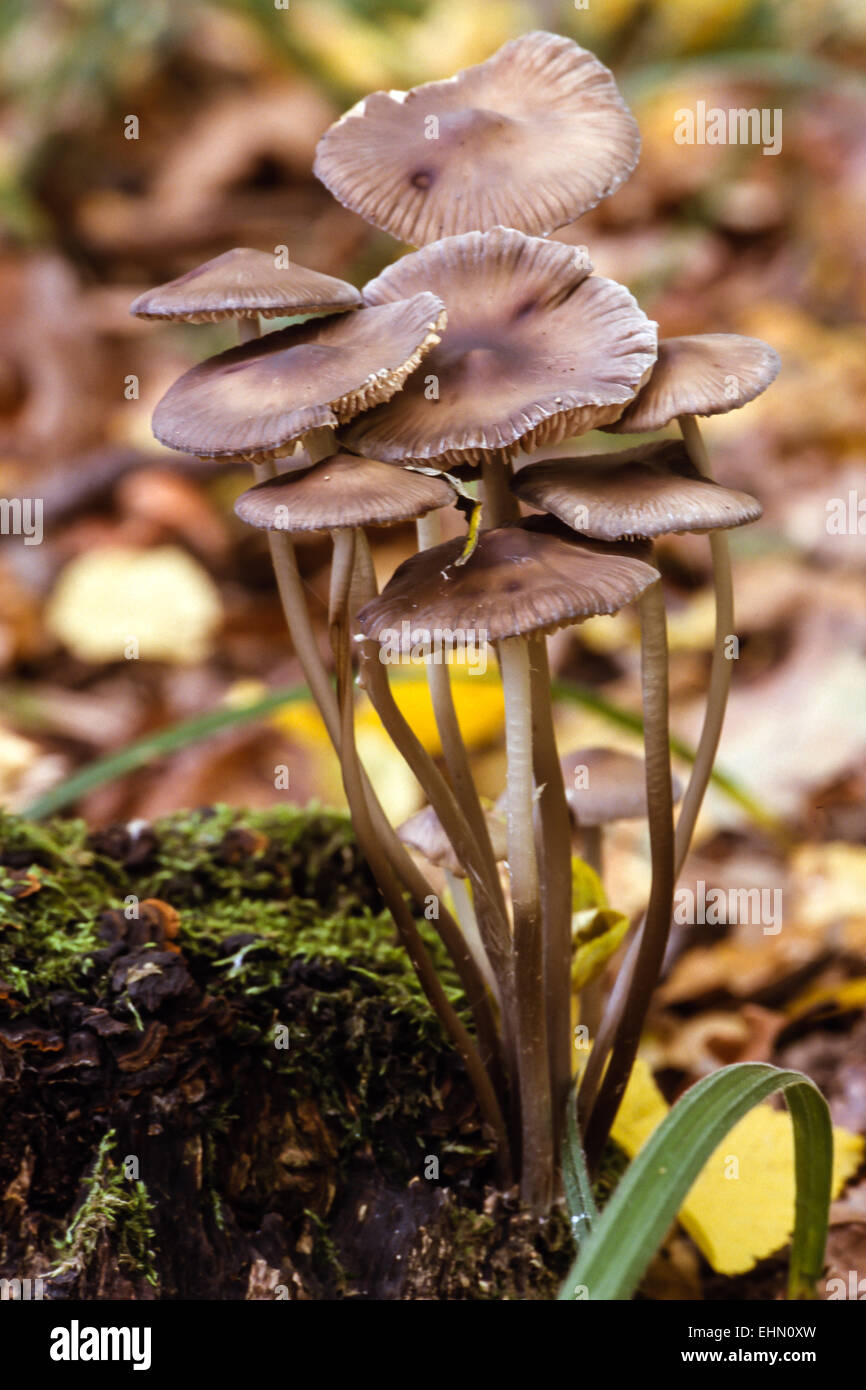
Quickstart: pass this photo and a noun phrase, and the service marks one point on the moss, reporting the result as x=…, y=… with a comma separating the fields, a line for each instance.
x=278, y=937
x=111, y=1204
x=49, y=927
x=260, y=896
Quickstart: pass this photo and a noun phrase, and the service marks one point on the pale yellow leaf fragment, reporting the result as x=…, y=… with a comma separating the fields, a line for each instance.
x=741, y=1207
x=117, y=602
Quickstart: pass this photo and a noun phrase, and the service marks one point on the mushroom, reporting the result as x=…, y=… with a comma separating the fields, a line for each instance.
x=531, y=138
x=257, y=401
x=530, y=578
x=303, y=379
x=603, y=785
x=539, y=350
x=535, y=350
x=341, y=492
x=246, y=285
x=705, y=374
x=425, y=833
x=644, y=492
x=649, y=491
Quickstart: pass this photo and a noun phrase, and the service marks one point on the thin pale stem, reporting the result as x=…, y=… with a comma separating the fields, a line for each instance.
x=534, y=1077
x=722, y=667
x=592, y=995
x=454, y=752
x=650, y=956
x=461, y=897
x=249, y=329
x=341, y=579
x=555, y=856
x=590, y=847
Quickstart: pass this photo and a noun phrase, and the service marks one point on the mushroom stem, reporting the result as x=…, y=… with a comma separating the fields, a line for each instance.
x=341, y=579
x=591, y=848
x=555, y=845
x=429, y=530
x=554, y=840
x=293, y=599
x=651, y=951
x=534, y=1076
x=462, y=900
x=721, y=669
x=249, y=328
x=294, y=604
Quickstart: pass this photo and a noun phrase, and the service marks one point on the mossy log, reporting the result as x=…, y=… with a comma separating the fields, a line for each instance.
x=219, y=1077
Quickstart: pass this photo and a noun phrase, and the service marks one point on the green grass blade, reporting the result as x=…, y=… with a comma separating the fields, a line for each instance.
x=636, y=1220
x=147, y=750
x=576, y=1180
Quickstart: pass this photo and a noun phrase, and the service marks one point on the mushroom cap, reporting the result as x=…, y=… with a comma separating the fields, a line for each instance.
x=241, y=283
x=705, y=374
x=253, y=402
x=424, y=833
x=339, y=492
x=531, y=138
x=536, y=350
x=649, y=491
x=616, y=786
x=532, y=577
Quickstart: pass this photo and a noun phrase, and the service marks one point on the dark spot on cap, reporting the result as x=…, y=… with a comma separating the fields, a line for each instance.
x=422, y=179
x=525, y=308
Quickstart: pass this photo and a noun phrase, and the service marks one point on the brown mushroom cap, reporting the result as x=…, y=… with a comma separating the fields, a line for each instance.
x=424, y=833
x=342, y=491
x=649, y=491
x=707, y=374
x=530, y=138
x=241, y=283
x=616, y=786
x=532, y=577
x=535, y=350
x=254, y=402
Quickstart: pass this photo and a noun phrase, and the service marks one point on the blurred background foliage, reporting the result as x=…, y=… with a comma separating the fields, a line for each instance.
x=230, y=98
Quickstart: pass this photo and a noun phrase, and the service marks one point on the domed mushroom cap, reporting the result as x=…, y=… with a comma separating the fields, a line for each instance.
x=603, y=785
x=536, y=350
x=706, y=374
x=424, y=833
x=649, y=491
x=342, y=491
x=530, y=138
x=255, y=401
x=533, y=577
x=241, y=283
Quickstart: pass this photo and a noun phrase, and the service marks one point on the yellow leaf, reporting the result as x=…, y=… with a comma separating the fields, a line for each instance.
x=596, y=934
x=741, y=1207
x=587, y=889
x=119, y=602
x=478, y=701
x=834, y=998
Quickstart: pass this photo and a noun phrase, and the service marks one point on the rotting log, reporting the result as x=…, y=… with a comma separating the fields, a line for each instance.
x=219, y=1078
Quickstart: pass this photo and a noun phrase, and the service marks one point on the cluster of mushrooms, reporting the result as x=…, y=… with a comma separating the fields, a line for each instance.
x=432, y=386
